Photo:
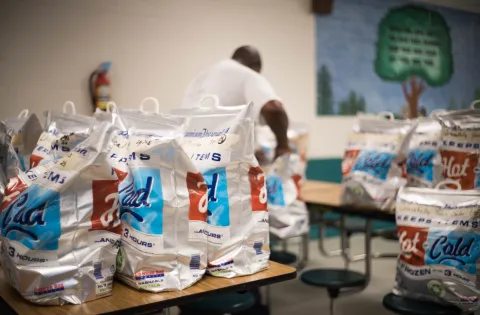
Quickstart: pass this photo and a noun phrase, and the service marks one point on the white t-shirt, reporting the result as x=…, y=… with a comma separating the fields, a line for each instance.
x=233, y=83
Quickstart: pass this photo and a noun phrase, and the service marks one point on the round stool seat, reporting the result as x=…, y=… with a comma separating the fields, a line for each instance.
x=333, y=278
x=404, y=306
x=220, y=304
x=284, y=258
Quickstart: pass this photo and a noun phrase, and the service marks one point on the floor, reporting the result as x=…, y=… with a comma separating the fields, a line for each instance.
x=294, y=297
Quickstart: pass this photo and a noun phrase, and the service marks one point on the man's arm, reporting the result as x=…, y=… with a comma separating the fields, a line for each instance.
x=276, y=118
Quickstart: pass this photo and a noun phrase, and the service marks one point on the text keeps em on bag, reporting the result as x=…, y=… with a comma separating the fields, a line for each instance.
x=220, y=142
x=60, y=233
x=371, y=167
x=163, y=207
x=440, y=245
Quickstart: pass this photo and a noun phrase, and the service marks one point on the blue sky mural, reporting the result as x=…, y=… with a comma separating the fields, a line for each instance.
x=347, y=48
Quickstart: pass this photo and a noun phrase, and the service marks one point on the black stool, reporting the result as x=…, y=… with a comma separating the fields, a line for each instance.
x=284, y=258
x=404, y=306
x=228, y=303
x=334, y=280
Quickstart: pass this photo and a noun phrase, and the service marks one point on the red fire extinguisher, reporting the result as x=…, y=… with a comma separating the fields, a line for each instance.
x=100, y=86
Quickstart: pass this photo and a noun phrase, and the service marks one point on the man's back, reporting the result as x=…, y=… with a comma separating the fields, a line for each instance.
x=233, y=83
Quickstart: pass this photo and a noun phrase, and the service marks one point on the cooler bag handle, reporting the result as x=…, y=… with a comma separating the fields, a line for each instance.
x=23, y=113
x=71, y=105
x=155, y=103
x=111, y=107
x=386, y=114
x=216, y=101
x=448, y=181
x=472, y=106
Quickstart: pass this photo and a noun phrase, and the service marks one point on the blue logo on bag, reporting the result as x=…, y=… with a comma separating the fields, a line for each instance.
x=420, y=163
x=33, y=219
x=142, y=201
x=374, y=163
x=218, y=206
x=275, y=191
x=456, y=249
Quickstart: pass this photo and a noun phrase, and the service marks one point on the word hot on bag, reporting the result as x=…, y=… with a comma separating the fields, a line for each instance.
x=220, y=142
x=61, y=227
x=163, y=206
x=371, y=167
x=440, y=245
x=460, y=149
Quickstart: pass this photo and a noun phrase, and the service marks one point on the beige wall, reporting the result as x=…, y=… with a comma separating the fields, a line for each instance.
x=48, y=48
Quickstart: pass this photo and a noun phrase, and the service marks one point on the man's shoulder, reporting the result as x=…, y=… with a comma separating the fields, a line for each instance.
x=233, y=66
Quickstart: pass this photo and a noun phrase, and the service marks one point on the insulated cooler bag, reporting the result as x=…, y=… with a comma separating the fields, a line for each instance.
x=371, y=166
x=287, y=211
x=163, y=206
x=60, y=225
x=440, y=245
x=220, y=142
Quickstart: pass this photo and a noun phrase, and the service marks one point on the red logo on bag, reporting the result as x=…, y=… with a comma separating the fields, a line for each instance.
x=197, y=192
x=14, y=188
x=349, y=160
x=120, y=174
x=258, y=190
x=297, y=180
x=35, y=160
x=412, y=240
x=105, y=214
x=461, y=166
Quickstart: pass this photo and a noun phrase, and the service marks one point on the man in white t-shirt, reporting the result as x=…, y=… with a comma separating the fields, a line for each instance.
x=238, y=81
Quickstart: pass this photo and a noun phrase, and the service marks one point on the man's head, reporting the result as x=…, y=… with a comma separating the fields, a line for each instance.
x=249, y=57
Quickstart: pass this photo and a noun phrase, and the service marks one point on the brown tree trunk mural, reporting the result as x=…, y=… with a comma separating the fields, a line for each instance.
x=416, y=89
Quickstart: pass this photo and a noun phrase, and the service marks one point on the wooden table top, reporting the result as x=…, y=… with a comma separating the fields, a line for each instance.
x=327, y=196
x=322, y=193
x=126, y=300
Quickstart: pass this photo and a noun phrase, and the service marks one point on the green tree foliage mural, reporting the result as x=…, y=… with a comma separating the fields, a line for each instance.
x=414, y=47
x=353, y=104
x=324, y=92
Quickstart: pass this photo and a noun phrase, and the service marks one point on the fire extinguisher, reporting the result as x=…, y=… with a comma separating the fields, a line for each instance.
x=100, y=86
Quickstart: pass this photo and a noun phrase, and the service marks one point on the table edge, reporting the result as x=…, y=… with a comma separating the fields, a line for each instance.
x=158, y=306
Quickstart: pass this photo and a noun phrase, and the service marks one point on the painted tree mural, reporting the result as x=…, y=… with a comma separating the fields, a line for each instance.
x=353, y=104
x=414, y=48
x=324, y=92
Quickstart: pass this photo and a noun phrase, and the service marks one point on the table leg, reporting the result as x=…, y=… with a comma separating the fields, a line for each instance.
x=368, y=250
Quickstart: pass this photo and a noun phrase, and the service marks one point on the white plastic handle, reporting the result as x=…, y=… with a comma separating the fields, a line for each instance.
x=155, y=102
x=436, y=112
x=71, y=105
x=448, y=181
x=111, y=107
x=23, y=113
x=216, y=101
x=385, y=114
x=472, y=106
